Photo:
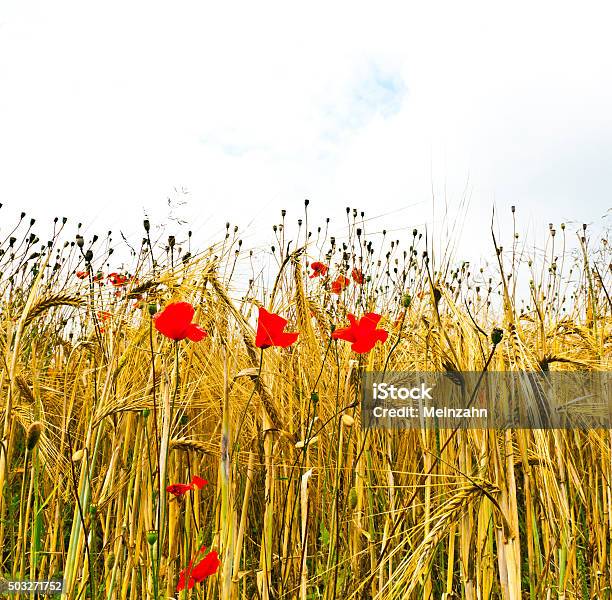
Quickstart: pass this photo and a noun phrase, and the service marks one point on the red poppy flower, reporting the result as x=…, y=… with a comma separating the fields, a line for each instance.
x=318, y=269
x=175, y=322
x=357, y=276
x=270, y=331
x=205, y=568
x=339, y=284
x=117, y=279
x=99, y=276
x=103, y=316
x=362, y=333
x=198, y=482
x=81, y=274
x=179, y=489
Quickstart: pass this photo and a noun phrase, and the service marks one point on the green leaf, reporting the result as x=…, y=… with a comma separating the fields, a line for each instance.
x=324, y=537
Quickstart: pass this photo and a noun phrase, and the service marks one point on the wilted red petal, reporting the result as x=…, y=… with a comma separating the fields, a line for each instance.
x=117, y=279
x=318, y=268
x=357, y=276
x=339, y=284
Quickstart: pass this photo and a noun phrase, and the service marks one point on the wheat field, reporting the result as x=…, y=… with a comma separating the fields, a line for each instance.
x=101, y=414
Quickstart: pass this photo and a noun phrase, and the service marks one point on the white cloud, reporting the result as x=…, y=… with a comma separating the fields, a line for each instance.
x=104, y=109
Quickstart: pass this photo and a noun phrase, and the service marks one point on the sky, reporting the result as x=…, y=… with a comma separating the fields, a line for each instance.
x=233, y=111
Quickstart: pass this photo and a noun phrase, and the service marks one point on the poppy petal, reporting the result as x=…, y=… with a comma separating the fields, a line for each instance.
x=362, y=333
x=372, y=317
x=270, y=332
x=195, y=333
x=287, y=339
x=199, y=482
x=179, y=489
x=181, y=582
x=363, y=345
x=183, y=574
x=345, y=334
x=382, y=335
x=206, y=567
x=175, y=322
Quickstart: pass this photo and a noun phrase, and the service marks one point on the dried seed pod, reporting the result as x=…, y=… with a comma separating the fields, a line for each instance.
x=348, y=420
x=299, y=445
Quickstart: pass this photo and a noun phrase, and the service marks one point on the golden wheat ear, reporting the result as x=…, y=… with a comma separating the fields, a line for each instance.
x=44, y=304
x=188, y=444
x=33, y=435
x=24, y=389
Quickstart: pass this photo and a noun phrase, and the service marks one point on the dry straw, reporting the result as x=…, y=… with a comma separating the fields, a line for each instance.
x=302, y=502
